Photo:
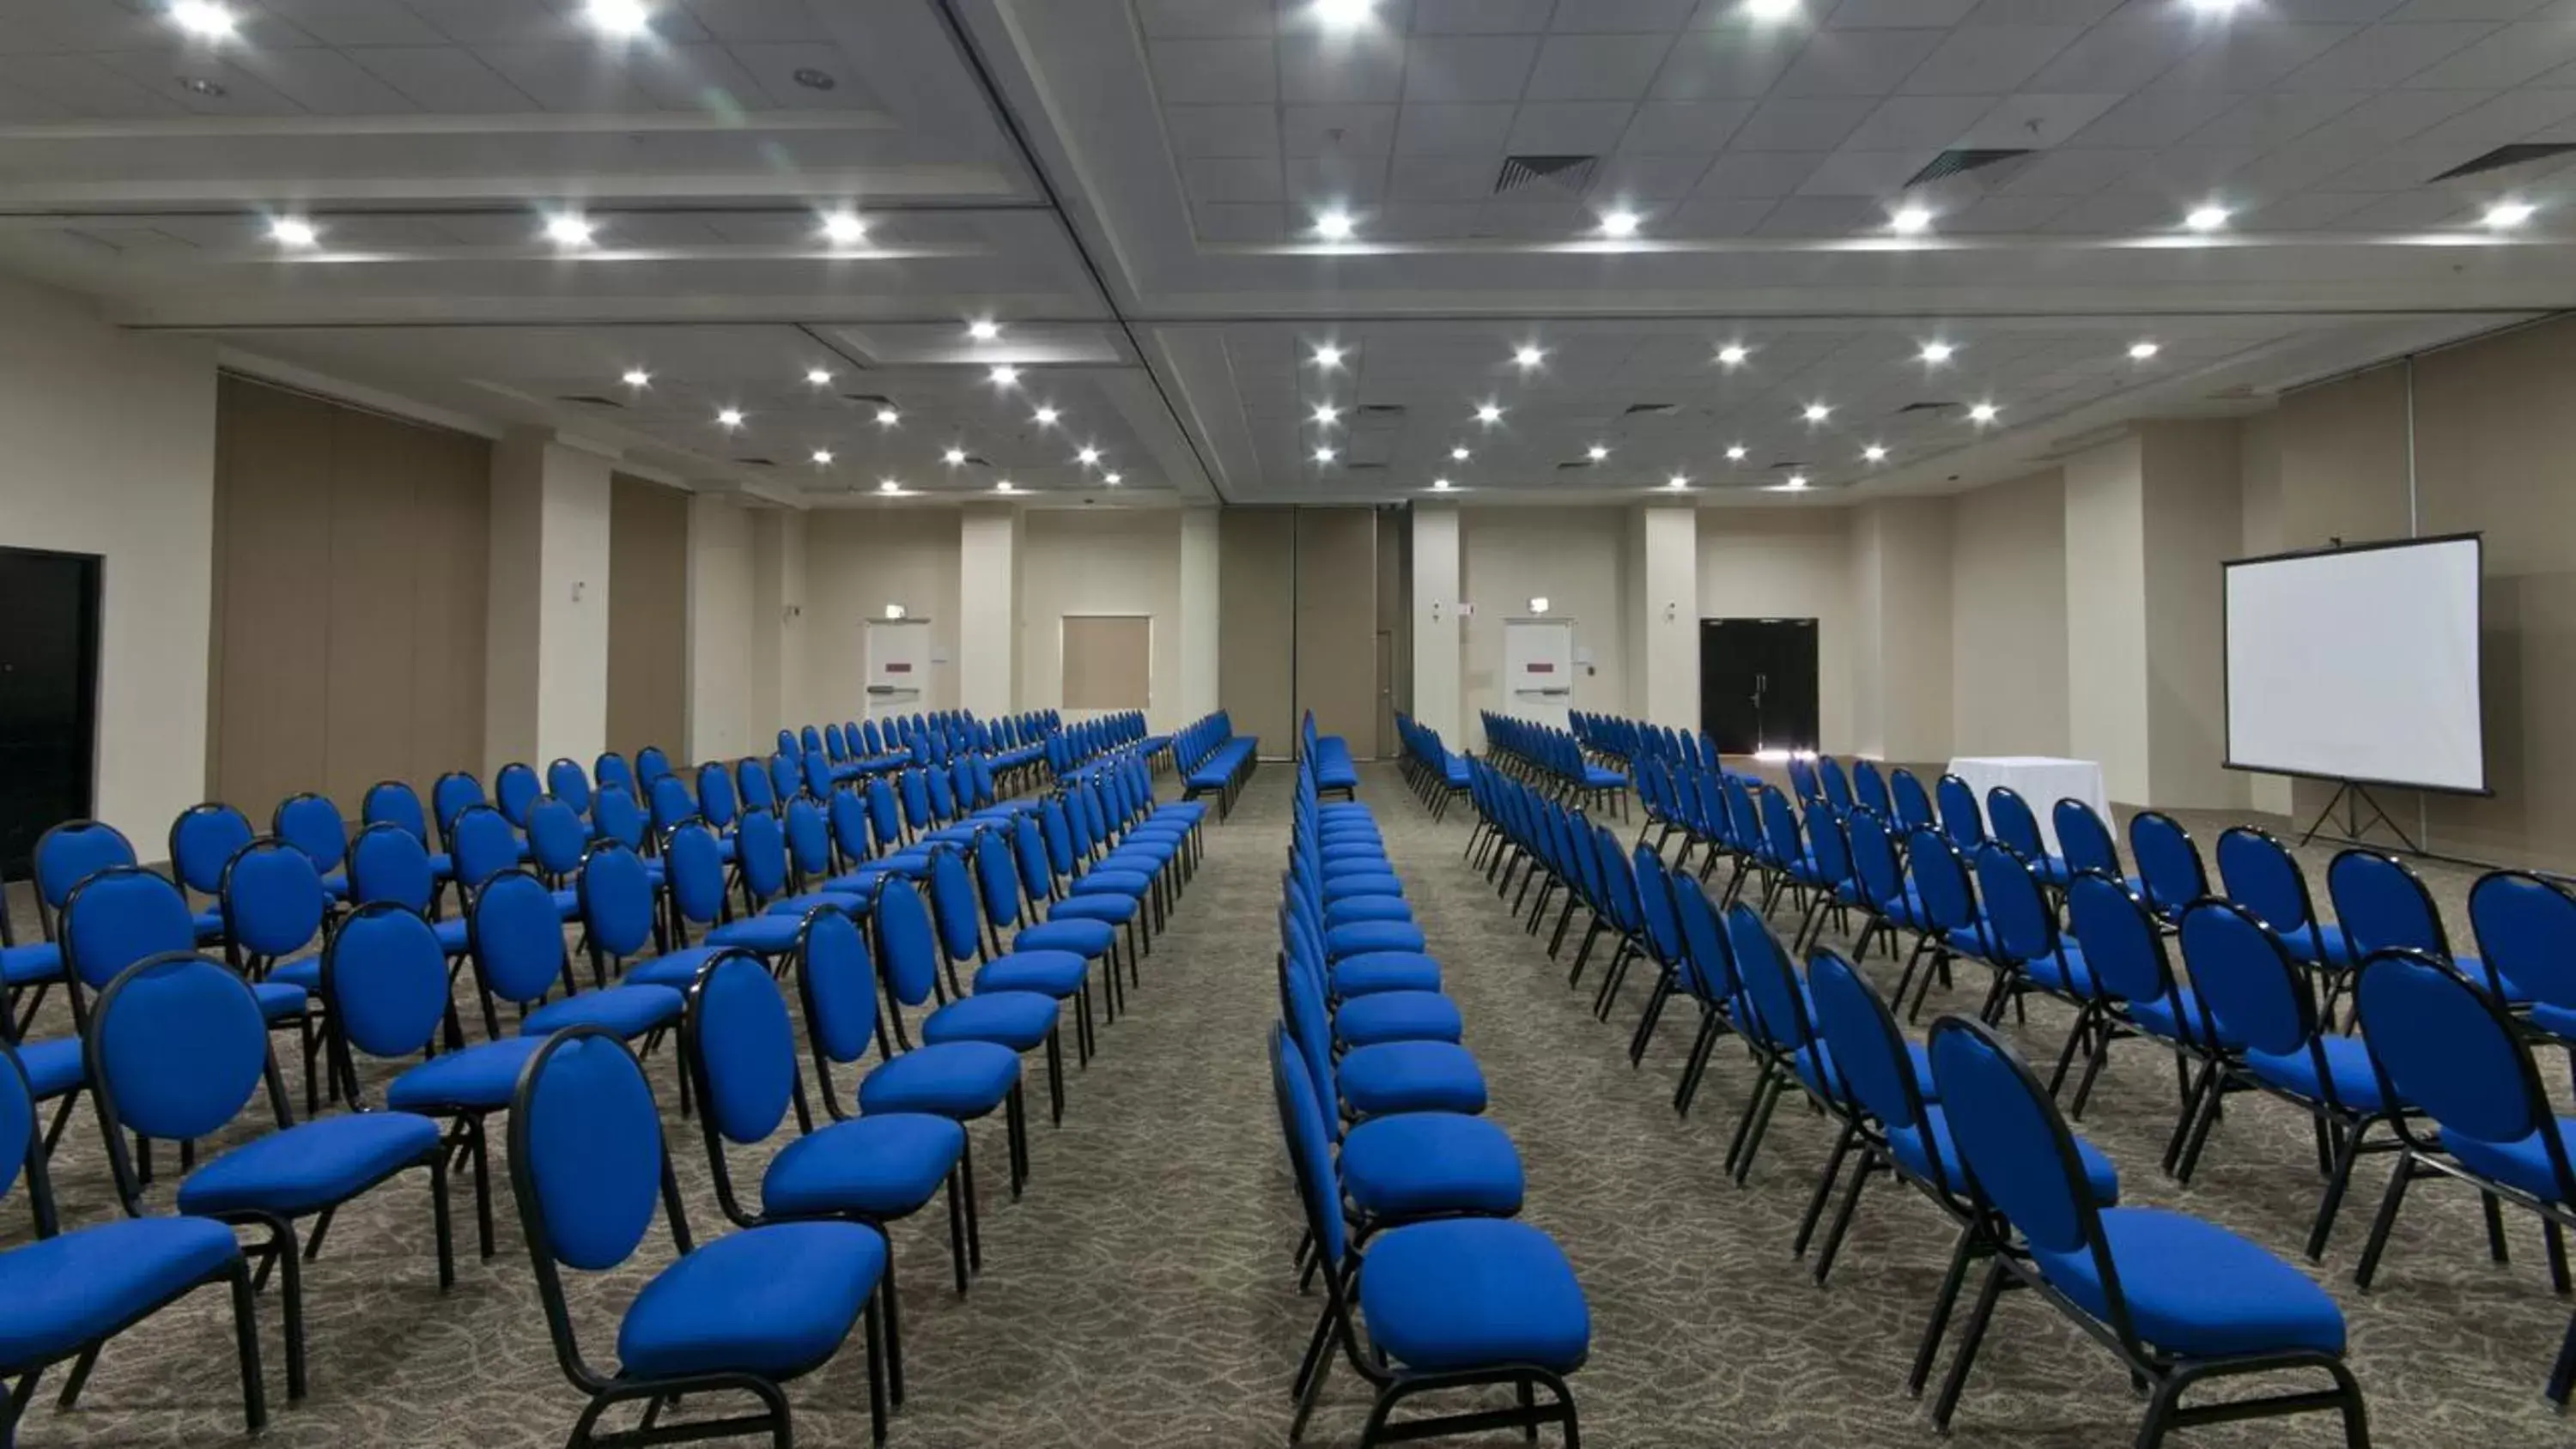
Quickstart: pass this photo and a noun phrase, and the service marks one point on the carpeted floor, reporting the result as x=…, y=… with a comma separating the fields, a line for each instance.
x=1140, y=1295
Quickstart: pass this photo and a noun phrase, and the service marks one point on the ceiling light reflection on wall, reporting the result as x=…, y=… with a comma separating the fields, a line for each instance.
x=1910, y=221
x=1796, y=482
x=2506, y=215
x=294, y=232
x=1113, y=479
x=203, y=19
x=1983, y=413
x=620, y=18
x=1335, y=225
x=729, y=418
x=637, y=377
x=2206, y=218
x=2142, y=351
x=1003, y=487
x=1678, y=481
x=1620, y=225
x=1732, y=355
x=889, y=485
x=844, y=228
x=1440, y=485
x=569, y=229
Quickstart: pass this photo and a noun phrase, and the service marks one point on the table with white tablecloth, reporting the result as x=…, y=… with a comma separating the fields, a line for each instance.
x=2041, y=780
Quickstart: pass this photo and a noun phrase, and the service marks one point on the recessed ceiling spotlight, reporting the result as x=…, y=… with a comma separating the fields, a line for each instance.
x=1327, y=356
x=637, y=377
x=822, y=457
x=1113, y=479
x=812, y=79
x=1046, y=417
x=1344, y=14
x=818, y=376
x=1796, y=482
x=1335, y=225
x=569, y=229
x=1439, y=485
x=954, y=457
x=1736, y=454
x=983, y=329
x=2206, y=218
x=1983, y=413
x=1732, y=355
x=1459, y=454
x=1621, y=224
x=620, y=18
x=1003, y=487
x=1873, y=454
x=1005, y=376
x=203, y=19
x=1936, y=353
x=889, y=485
x=1326, y=414
x=1529, y=356
x=2505, y=215
x=844, y=228
x=197, y=85
x=1818, y=412
x=1087, y=457
x=2216, y=7
x=1770, y=9
x=1599, y=453
x=293, y=231
x=888, y=417
x=1324, y=455
x=2141, y=351
x=1490, y=414
x=729, y=418
x=1910, y=220
x=1678, y=481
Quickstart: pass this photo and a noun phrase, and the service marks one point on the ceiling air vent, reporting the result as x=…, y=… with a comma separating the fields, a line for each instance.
x=1559, y=173
x=973, y=461
x=1381, y=410
x=1365, y=468
x=2504, y=156
x=1960, y=163
x=590, y=399
x=1786, y=467
x=1652, y=410
x=757, y=462
x=1925, y=407
x=1579, y=465
x=867, y=399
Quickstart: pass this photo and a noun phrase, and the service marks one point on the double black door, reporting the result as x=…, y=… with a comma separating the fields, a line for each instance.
x=1758, y=684
x=48, y=695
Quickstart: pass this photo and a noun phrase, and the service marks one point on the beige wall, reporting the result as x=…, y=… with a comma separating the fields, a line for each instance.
x=1789, y=564
x=720, y=630
x=1336, y=609
x=1901, y=692
x=1119, y=561
x=2106, y=626
x=857, y=561
x=2008, y=685
x=349, y=552
x=545, y=632
x=111, y=451
x=2195, y=522
x=1432, y=588
x=1256, y=587
x=1572, y=557
x=2258, y=471
x=1662, y=659
x=648, y=616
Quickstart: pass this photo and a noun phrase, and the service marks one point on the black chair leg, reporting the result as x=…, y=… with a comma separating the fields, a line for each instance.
x=1966, y=1355
x=1943, y=1302
x=2388, y=1205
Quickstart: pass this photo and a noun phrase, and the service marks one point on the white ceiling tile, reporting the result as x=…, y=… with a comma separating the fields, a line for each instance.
x=1221, y=179
x=498, y=22
x=1468, y=68
x=1632, y=177
x=1481, y=17
x=2073, y=172
x=1338, y=130
x=1444, y=178
x=2004, y=214
x=2113, y=212
x=691, y=77
x=1857, y=62
x=2252, y=57
x=2180, y=177
x=774, y=64
x=1596, y=67
x=2308, y=211
x=1886, y=14
x=1641, y=17
x=79, y=85
x=2121, y=54
x=1727, y=64
x=1207, y=19
x=1865, y=173
x=1569, y=128
x=2040, y=12
x=244, y=94
x=1823, y=216
x=1240, y=223
x=1987, y=60
x=1680, y=127
x=1802, y=123
x=2275, y=118
x=2034, y=121
x=1450, y=130
x=568, y=77
x=1926, y=123
x=324, y=81
x=1222, y=130
x=1320, y=181
x=1323, y=69
x=2404, y=212
x=442, y=78
x=1214, y=72
x=17, y=103
x=1758, y=173
x=2154, y=118
x=759, y=20
x=355, y=22
x=2385, y=55
x=1426, y=220
x=2437, y=10
x=2508, y=57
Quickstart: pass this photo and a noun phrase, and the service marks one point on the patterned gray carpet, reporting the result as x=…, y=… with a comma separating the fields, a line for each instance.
x=1140, y=1294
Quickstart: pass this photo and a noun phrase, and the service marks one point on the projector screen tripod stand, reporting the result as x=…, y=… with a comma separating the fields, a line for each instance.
x=2354, y=798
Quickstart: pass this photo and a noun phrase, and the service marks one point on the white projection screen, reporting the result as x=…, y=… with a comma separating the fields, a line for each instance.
x=2359, y=664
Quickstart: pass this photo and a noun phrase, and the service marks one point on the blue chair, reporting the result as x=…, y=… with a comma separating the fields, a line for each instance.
x=958, y=916
x=1012, y=936
x=2023, y=942
x=1707, y=972
x=64, y=856
x=1948, y=925
x=2525, y=925
x=874, y=1170
x=519, y=957
x=312, y=824
x=2084, y=840
x=176, y=1049
x=276, y=906
x=908, y=952
x=1913, y=804
x=117, y=917
x=1960, y=817
x=2383, y=906
x=2442, y=1042
x=482, y=843
x=651, y=764
x=2259, y=873
x=2264, y=1003
x=2017, y=830
x=1462, y=1303
x=202, y=841
x=2180, y=1301
x=451, y=795
x=2170, y=874
x=743, y=1314
x=1869, y=789
x=566, y=782
x=389, y=863
x=2136, y=993
x=611, y=768
x=64, y=1295
x=620, y=915
x=515, y=787
x=558, y=838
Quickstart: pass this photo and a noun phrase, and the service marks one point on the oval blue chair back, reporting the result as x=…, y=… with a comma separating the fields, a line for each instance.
x=1869, y=788
x=483, y=845
x=2383, y=907
x=1941, y=881
x=817, y=770
x=614, y=815
x=1783, y=843
x=204, y=839
x=2254, y=992
x=394, y=802
x=2259, y=873
x=997, y=877
x=2120, y=940
x=566, y=782
x=514, y=789
x=1836, y=785
x=556, y=837
x=907, y=941
x=586, y=1143
x=1056, y=824
x=760, y=850
x=517, y=937
x=742, y=1045
x=809, y=839
x=753, y=785
x=943, y=793
x=384, y=980
x=273, y=899
x=2016, y=828
x=1874, y=863
x=119, y=916
x=835, y=744
x=651, y=764
x=18, y=1134
x=1708, y=967
x=451, y=795
x=1780, y=1016
x=671, y=802
x=611, y=769
x=72, y=852
x=1028, y=846
x=2012, y=1144
x=2169, y=867
x=1913, y=806
x=915, y=787
x=312, y=824
x=885, y=815
x=176, y=1047
x=2020, y=925
x=955, y=899
x=616, y=901
x=1960, y=819
x=2526, y=929
x=785, y=774
x=1663, y=922
x=1308, y=1132
x=2083, y=839
x=1829, y=848
x=716, y=799
x=1861, y=1036
x=2449, y=1048
x=693, y=867
x=389, y=863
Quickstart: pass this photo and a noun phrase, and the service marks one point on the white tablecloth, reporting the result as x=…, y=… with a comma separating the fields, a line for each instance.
x=2039, y=779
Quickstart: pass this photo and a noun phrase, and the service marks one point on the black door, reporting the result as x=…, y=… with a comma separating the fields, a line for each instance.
x=48, y=695
x=1757, y=684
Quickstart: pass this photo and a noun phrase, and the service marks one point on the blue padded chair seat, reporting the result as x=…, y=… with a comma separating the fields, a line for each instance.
x=1474, y=1293
x=882, y=1166
x=1966, y=941
x=479, y=1078
x=1189, y=810
x=2179, y=1019
x=1415, y=1163
x=629, y=1010
x=2195, y=1288
x=2052, y=870
x=308, y=1167
x=303, y=973
x=53, y=1067
x=1115, y=907
x=1364, y=938
x=1091, y=939
x=29, y=964
x=1597, y=778
x=1049, y=973
x=677, y=970
x=761, y=935
x=1354, y=909
x=2347, y=1063
x=959, y=1079
x=2523, y=1164
x=1358, y=976
x=453, y=939
x=1398, y=1016
x=1355, y=863
x=864, y=880
x=1331, y=774
x=1145, y=859
x=1015, y=1019
x=68, y=1291
x=848, y=903
x=1342, y=888
x=1412, y=1076
x=2101, y=1174
x=2321, y=945
x=773, y=1301
x=2065, y=974
x=280, y=1000
x=1114, y=883
x=1367, y=852
x=2558, y=1021
x=1806, y=1063
x=209, y=924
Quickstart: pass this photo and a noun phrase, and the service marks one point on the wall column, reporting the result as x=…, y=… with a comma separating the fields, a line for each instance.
x=1901, y=576
x=1663, y=617
x=546, y=632
x=1201, y=613
x=988, y=610
x=1437, y=693
x=779, y=692
x=2106, y=619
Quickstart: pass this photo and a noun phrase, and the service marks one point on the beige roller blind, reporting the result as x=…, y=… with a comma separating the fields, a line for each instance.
x=1108, y=661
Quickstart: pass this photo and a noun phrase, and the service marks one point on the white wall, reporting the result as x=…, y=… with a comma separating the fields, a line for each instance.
x=988, y=610
x=1789, y=564
x=1570, y=557
x=720, y=629
x=2106, y=625
x=572, y=657
x=857, y=561
x=2195, y=522
x=1120, y=561
x=1438, y=677
x=111, y=451
x=2008, y=619
x=2258, y=470
x=1200, y=595
x=1663, y=622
